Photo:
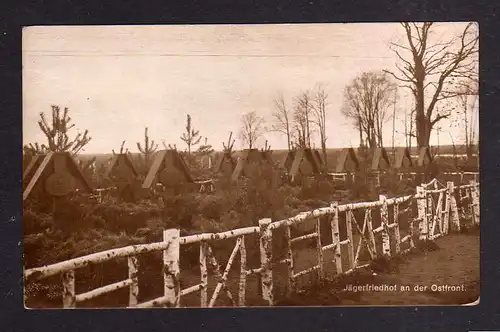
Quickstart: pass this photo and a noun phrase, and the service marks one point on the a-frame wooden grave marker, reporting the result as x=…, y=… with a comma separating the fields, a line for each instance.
x=403, y=164
x=424, y=156
x=347, y=162
x=380, y=160
x=285, y=162
x=58, y=176
x=255, y=162
x=319, y=159
x=304, y=164
x=380, y=165
x=225, y=165
x=30, y=170
x=402, y=159
x=123, y=174
x=425, y=164
x=170, y=169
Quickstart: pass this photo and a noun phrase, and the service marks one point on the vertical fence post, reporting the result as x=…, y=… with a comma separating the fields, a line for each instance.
x=350, y=244
x=320, y=250
x=411, y=232
x=475, y=202
x=397, y=236
x=336, y=237
x=384, y=218
x=453, y=214
x=447, y=206
x=68, y=283
x=266, y=253
x=203, y=275
x=430, y=216
x=243, y=273
x=171, y=268
x=133, y=264
x=289, y=257
x=422, y=213
x=371, y=236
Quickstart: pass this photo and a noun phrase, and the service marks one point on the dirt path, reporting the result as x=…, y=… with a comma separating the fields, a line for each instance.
x=455, y=263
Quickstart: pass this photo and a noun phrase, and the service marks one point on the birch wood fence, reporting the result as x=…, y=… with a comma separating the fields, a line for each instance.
x=437, y=213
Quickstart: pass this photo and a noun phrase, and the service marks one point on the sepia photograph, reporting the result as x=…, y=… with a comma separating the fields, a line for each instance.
x=251, y=165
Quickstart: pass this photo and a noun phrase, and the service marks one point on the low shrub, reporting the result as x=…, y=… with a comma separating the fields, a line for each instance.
x=123, y=217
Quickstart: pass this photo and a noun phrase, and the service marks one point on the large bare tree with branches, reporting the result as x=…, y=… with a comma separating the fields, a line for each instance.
x=252, y=127
x=429, y=68
x=283, y=118
x=302, y=120
x=320, y=102
x=366, y=102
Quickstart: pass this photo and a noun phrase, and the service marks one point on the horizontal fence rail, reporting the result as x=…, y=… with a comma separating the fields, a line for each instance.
x=438, y=209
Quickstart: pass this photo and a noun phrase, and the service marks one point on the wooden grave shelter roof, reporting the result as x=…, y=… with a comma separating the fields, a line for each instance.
x=121, y=160
x=319, y=159
x=35, y=162
x=347, y=161
x=160, y=161
x=302, y=157
x=286, y=160
x=380, y=159
x=424, y=156
x=225, y=157
x=57, y=162
x=247, y=157
x=402, y=158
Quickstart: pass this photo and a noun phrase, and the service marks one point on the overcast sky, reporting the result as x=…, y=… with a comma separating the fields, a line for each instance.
x=118, y=80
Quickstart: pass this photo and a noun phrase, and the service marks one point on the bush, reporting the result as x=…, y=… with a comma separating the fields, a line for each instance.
x=124, y=217
x=36, y=222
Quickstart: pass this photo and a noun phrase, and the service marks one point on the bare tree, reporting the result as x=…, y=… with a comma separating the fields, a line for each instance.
x=283, y=119
x=366, y=101
x=467, y=99
x=252, y=127
x=191, y=137
x=319, y=116
x=302, y=117
x=429, y=68
x=56, y=132
x=409, y=127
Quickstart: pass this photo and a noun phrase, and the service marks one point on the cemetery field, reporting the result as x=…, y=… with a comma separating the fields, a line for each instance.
x=62, y=222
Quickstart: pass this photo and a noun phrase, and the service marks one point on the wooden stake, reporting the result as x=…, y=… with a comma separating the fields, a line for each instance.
x=171, y=268
x=454, y=218
x=68, y=283
x=243, y=273
x=475, y=202
x=336, y=237
x=132, y=275
x=266, y=254
x=203, y=274
x=422, y=213
x=384, y=217
x=350, y=244
x=397, y=236
x=320, y=250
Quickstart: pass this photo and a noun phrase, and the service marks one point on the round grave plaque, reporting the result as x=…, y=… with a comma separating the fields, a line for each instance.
x=60, y=184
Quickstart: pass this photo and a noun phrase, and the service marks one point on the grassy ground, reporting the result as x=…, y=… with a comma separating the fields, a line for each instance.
x=455, y=262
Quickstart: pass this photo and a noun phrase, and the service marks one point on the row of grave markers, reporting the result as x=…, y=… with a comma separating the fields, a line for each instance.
x=60, y=175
